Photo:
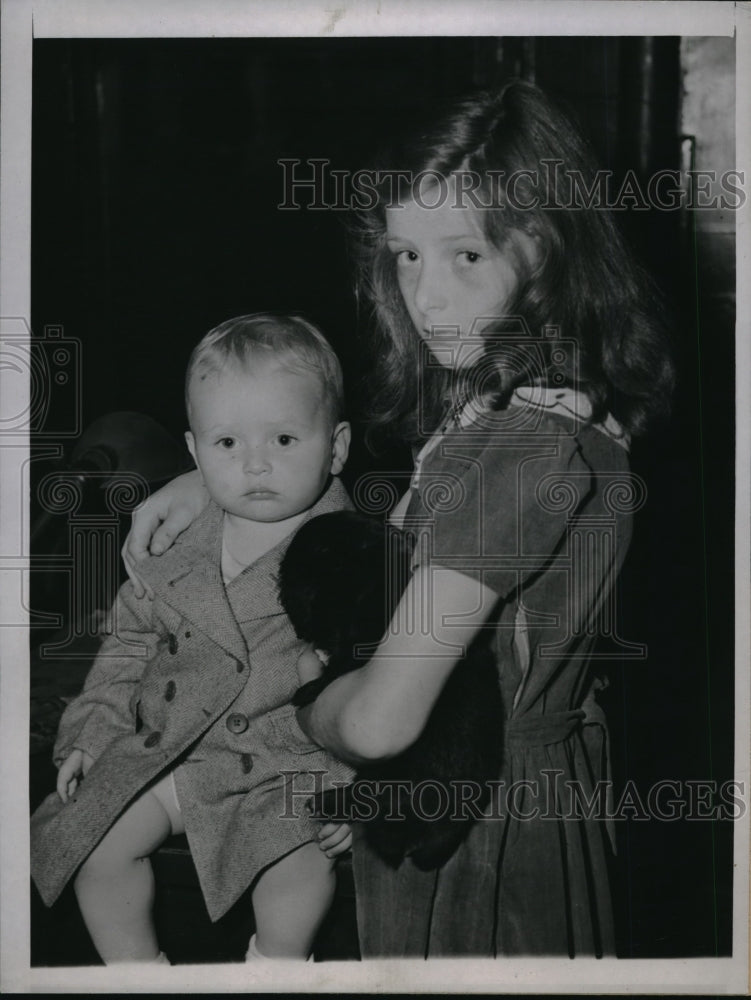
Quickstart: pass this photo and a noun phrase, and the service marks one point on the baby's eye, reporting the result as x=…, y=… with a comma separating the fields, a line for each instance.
x=469, y=256
x=285, y=440
x=227, y=442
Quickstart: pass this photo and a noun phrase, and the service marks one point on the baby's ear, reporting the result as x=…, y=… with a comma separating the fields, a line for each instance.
x=340, y=442
x=191, y=443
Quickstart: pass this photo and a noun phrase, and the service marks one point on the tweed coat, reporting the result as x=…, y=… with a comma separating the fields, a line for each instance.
x=199, y=680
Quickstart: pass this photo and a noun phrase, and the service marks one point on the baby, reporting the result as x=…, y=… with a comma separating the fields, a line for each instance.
x=185, y=722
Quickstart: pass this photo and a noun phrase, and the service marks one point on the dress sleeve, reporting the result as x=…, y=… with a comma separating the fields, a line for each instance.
x=499, y=509
x=104, y=710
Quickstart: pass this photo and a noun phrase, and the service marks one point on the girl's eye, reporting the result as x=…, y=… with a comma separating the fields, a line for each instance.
x=469, y=256
x=404, y=257
x=285, y=440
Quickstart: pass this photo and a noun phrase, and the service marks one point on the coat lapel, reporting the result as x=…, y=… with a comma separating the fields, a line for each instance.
x=255, y=592
x=188, y=577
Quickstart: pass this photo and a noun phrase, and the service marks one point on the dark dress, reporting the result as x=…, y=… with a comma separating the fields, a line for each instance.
x=536, y=503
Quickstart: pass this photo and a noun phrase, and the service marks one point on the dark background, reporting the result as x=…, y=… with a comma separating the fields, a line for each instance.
x=155, y=192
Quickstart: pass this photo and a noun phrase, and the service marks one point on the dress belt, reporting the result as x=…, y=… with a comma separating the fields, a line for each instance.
x=541, y=730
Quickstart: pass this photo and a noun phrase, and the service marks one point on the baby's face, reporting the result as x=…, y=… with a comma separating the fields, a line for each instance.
x=264, y=442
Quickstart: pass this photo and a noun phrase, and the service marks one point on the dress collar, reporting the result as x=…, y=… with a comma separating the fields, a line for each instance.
x=569, y=403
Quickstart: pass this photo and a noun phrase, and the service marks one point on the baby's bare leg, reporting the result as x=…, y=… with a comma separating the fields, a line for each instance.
x=115, y=886
x=290, y=900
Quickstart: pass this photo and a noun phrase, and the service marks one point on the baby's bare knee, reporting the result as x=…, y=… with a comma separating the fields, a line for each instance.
x=305, y=868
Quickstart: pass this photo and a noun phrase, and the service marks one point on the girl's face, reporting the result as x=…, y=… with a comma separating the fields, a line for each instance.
x=454, y=282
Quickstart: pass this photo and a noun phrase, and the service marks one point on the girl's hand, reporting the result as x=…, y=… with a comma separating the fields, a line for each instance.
x=72, y=769
x=158, y=522
x=334, y=839
x=310, y=664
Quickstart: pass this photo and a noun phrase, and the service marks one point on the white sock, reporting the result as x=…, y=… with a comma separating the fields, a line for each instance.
x=254, y=955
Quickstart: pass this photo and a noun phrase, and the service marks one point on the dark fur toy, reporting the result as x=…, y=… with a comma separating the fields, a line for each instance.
x=340, y=581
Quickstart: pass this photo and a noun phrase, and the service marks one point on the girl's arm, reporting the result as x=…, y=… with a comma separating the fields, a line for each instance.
x=378, y=711
x=158, y=522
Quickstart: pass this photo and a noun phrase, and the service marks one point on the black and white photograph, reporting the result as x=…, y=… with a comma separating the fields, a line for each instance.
x=374, y=480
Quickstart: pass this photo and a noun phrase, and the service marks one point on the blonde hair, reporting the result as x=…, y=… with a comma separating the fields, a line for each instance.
x=290, y=341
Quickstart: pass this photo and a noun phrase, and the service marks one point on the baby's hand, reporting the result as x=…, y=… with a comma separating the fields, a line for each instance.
x=310, y=664
x=334, y=839
x=72, y=769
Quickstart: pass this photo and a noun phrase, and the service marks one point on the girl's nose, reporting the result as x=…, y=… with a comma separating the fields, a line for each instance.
x=430, y=293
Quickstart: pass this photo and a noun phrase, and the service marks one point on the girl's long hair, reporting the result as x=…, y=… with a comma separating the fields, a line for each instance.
x=586, y=283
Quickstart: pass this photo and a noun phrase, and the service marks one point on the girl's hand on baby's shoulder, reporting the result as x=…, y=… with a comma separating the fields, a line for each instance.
x=158, y=522
x=335, y=839
x=72, y=769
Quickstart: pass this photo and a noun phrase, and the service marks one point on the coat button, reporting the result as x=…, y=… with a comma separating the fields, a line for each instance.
x=237, y=723
x=152, y=739
x=169, y=691
x=246, y=762
x=172, y=643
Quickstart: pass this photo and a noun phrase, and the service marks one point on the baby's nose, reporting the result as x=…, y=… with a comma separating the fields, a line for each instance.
x=256, y=460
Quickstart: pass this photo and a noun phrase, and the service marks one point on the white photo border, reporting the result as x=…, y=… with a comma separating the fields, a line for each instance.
x=24, y=20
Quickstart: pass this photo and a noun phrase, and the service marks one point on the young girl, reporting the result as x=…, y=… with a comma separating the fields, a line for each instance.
x=515, y=349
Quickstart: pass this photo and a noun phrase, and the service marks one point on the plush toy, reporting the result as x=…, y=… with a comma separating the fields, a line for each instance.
x=340, y=581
